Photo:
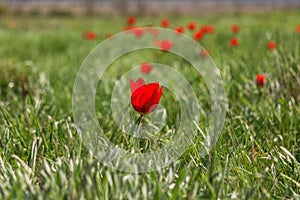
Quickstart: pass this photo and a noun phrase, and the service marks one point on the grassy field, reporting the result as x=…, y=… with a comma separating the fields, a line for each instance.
x=256, y=157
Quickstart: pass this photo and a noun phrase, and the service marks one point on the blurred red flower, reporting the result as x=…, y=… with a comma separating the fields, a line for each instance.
x=272, y=45
x=128, y=28
x=165, y=23
x=260, y=80
x=146, y=68
x=179, y=30
x=298, y=28
x=90, y=35
x=198, y=35
x=153, y=31
x=209, y=29
x=234, y=42
x=166, y=45
x=131, y=20
x=144, y=98
x=192, y=26
x=138, y=32
x=203, y=29
x=205, y=53
x=235, y=28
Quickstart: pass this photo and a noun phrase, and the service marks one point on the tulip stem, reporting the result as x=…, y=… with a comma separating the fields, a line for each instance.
x=138, y=123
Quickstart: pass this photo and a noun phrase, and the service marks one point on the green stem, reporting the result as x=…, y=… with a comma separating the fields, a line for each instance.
x=138, y=122
x=137, y=128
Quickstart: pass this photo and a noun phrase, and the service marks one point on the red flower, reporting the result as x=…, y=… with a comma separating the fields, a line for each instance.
x=128, y=28
x=198, y=35
x=272, y=45
x=90, y=35
x=298, y=28
x=202, y=29
x=144, y=98
x=179, y=30
x=260, y=80
x=153, y=31
x=166, y=45
x=234, y=42
x=209, y=29
x=146, y=68
x=138, y=32
x=131, y=20
x=165, y=23
x=235, y=28
x=192, y=26
x=205, y=53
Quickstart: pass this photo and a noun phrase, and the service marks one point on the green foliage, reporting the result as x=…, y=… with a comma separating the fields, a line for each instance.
x=256, y=157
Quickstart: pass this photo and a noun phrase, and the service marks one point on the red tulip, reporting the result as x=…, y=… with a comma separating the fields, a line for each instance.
x=272, y=45
x=153, y=31
x=235, y=28
x=234, y=42
x=192, y=26
x=298, y=28
x=138, y=32
x=202, y=29
x=165, y=23
x=205, y=53
x=260, y=80
x=144, y=98
x=131, y=20
x=90, y=35
x=209, y=29
x=179, y=30
x=146, y=68
x=128, y=28
x=166, y=45
x=198, y=35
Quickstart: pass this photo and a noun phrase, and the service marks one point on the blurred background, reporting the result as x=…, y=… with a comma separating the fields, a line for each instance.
x=141, y=7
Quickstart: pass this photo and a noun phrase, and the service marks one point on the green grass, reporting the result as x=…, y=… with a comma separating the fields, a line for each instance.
x=256, y=157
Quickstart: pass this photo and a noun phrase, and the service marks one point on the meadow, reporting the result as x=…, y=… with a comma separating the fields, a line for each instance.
x=256, y=157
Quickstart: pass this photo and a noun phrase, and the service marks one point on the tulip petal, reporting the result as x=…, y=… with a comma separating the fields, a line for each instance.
x=144, y=98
